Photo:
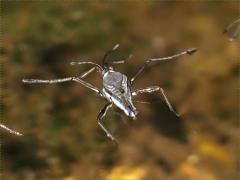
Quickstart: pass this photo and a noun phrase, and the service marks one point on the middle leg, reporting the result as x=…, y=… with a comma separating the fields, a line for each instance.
x=78, y=79
x=154, y=89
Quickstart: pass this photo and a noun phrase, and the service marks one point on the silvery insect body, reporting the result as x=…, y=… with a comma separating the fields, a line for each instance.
x=118, y=91
x=116, y=87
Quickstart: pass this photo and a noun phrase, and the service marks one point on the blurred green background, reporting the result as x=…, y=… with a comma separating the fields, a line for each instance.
x=61, y=135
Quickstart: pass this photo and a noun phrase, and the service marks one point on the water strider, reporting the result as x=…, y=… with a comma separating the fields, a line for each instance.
x=116, y=86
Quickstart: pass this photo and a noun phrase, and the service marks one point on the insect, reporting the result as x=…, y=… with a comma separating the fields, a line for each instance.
x=117, y=89
x=233, y=30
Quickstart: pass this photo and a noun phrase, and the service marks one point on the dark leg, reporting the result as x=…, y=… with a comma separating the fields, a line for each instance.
x=148, y=62
x=154, y=89
x=104, y=61
x=100, y=117
x=10, y=130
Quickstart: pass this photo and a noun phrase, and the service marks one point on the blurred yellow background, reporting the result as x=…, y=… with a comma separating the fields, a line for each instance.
x=62, y=139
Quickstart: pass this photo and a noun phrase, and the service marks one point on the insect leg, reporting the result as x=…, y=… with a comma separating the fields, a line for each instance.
x=154, y=89
x=148, y=62
x=87, y=73
x=88, y=85
x=76, y=79
x=10, y=130
x=47, y=81
x=80, y=80
x=168, y=102
x=145, y=90
x=52, y=81
x=100, y=117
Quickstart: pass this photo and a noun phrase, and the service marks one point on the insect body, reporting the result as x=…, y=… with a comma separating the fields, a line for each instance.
x=116, y=87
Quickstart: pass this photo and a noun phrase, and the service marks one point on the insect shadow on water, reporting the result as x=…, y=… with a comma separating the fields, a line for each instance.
x=117, y=89
x=167, y=124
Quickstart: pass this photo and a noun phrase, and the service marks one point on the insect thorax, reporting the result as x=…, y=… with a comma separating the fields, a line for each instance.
x=115, y=84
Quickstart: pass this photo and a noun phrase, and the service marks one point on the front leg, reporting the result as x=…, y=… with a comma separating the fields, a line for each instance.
x=88, y=85
x=154, y=89
x=78, y=79
x=54, y=81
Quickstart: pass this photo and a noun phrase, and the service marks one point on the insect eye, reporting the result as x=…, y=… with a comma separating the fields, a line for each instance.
x=122, y=91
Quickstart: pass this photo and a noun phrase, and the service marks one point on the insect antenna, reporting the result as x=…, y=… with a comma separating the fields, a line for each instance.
x=87, y=62
x=104, y=61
